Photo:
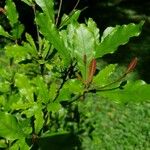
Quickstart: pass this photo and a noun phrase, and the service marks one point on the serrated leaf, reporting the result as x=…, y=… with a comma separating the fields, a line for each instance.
x=113, y=37
x=11, y=12
x=47, y=7
x=24, y=86
x=3, y=32
x=9, y=127
x=39, y=120
x=132, y=92
x=17, y=30
x=48, y=29
x=42, y=90
x=31, y=42
x=102, y=78
x=16, y=51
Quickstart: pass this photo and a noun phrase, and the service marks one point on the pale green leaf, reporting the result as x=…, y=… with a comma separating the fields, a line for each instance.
x=84, y=45
x=47, y=7
x=103, y=77
x=24, y=85
x=137, y=91
x=53, y=107
x=20, y=144
x=39, y=120
x=113, y=37
x=9, y=127
x=3, y=143
x=16, y=51
x=42, y=90
x=11, y=12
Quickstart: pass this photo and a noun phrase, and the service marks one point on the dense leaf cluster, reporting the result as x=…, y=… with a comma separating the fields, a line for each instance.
x=44, y=83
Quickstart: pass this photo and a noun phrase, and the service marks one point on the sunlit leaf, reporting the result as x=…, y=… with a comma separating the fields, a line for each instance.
x=103, y=77
x=48, y=29
x=9, y=127
x=25, y=88
x=47, y=7
x=11, y=12
x=113, y=37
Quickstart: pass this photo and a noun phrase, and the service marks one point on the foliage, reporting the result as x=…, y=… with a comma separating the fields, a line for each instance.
x=45, y=83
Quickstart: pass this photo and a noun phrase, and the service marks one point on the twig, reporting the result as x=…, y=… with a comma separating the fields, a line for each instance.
x=59, y=9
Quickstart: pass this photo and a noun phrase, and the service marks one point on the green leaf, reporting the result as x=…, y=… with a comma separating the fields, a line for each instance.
x=71, y=87
x=17, y=30
x=20, y=144
x=3, y=143
x=3, y=32
x=9, y=127
x=133, y=92
x=42, y=90
x=47, y=7
x=113, y=37
x=84, y=45
x=30, y=40
x=24, y=86
x=53, y=107
x=48, y=29
x=72, y=17
x=11, y=12
x=103, y=77
x=39, y=120
x=17, y=52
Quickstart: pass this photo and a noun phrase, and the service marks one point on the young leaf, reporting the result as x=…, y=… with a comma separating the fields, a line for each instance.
x=48, y=29
x=11, y=12
x=113, y=37
x=9, y=127
x=47, y=7
x=132, y=92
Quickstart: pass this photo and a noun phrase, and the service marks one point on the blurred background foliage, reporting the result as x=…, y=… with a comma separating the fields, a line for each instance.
x=117, y=126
